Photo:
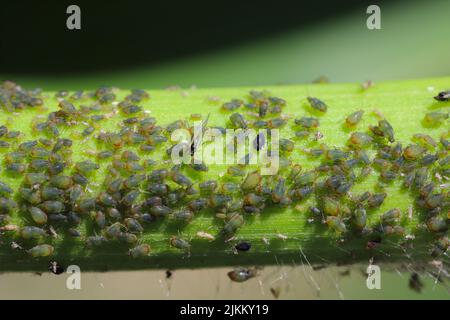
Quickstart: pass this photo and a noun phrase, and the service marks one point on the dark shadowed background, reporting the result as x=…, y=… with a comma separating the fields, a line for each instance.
x=220, y=43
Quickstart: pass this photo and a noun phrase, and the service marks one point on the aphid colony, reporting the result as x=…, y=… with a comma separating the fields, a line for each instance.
x=54, y=196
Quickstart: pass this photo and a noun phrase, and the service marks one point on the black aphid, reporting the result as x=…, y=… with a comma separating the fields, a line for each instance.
x=243, y=246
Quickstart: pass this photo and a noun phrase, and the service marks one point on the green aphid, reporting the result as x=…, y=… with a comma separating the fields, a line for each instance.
x=15, y=157
x=31, y=196
x=183, y=215
x=317, y=104
x=61, y=181
x=27, y=146
x=199, y=167
x=75, y=192
x=159, y=189
x=307, y=122
x=77, y=95
x=180, y=179
x=388, y=175
x=104, y=154
x=381, y=164
x=301, y=193
x=129, y=198
x=426, y=190
x=435, y=118
x=178, y=124
x=335, y=155
x=13, y=134
x=180, y=243
x=67, y=107
x=286, y=145
x=86, y=167
x=425, y=140
x=38, y=216
x=421, y=176
x=445, y=143
x=113, y=213
x=153, y=201
x=233, y=224
x=253, y=199
x=80, y=179
x=437, y=224
x=95, y=241
x=359, y=218
x=302, y=134
x=444, y=161
x=384, y=129
x=232, y=105
x=279, y=191
x=86, y=205
x=236, y=171
x=197, y=204
x=51, y=193
x=39, y=165
x=130, y=109
x=31, y=232
x=52, y=206
x=259, y=124
x=113, y=231
x=106, y=200
x=156, y=139
x=133, y=225
x=219, y=200
x=38, y=152
x=251, y=181
x=354, y=118
x=5, y=189
x=129, y=156
x=158, y=175
x=160, y=211
x=127, y=237
x=41, y=250
x=146, y=148
x=208, y=187
x=428, y=159
x=142, y=250
x=107, y=98
x=413, y=152
x=375, y=200
x=391, y=217
x=238, y=121
x=88, y=131
x=360, y=139
x=331, y=207
x=99, y=219
x=4, y=144
x=133, y=167
x=434, y=200
x=337, y=224
x=440, y=247
x=306, y=178
x=7, y=205
x=276, y=123
x=133, y=181
x=3, y=130
x=98, y=117
x=34, y=178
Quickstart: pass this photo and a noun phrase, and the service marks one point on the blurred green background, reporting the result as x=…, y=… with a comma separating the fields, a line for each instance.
x=414, y=42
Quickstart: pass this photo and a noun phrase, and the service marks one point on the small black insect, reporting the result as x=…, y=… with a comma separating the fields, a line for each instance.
x=443, y=96
x=243, y=246
x=259, y=141
x=168, y=274
x=55, y=268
